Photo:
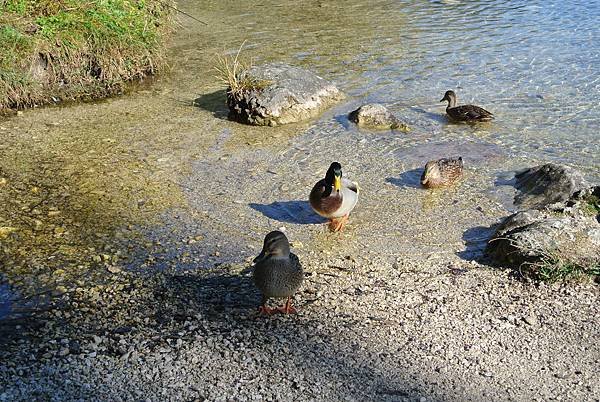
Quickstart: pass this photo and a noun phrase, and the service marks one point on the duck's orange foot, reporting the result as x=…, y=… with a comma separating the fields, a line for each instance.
x=264, y=310
x=338, y=224
x=286, y=309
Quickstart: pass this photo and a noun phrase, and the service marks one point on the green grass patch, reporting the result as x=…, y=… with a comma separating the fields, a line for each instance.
x=73, y=49
x=591, y=205
x=553, y=268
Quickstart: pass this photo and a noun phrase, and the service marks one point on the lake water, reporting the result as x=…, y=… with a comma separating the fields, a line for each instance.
x=163, y=178
x=534, y=64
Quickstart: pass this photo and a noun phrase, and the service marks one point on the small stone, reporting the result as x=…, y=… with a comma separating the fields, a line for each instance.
x=5, y=231
x=113, y=269
x=530, y=320
x=376, y=116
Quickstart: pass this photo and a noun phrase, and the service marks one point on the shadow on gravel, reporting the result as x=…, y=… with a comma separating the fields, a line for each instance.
x=214, y=102
x=476, y=239
x=299, y=212
x=408, y=179
x=225, y=309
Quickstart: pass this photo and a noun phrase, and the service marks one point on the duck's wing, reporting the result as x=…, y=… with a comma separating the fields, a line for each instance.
x=450, y=163
x=469, y=112
x=451, y=169
x=350, y=192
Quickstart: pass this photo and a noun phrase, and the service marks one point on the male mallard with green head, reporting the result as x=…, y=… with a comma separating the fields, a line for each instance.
x=442, y=172
x=334, y=197
x=277, y=272
x=464, y=112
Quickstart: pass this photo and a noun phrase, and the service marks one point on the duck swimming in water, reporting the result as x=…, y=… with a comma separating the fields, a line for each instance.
x=465, y=112
x=442, y=172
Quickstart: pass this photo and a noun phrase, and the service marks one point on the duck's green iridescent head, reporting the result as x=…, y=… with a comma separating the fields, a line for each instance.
x=334, y=176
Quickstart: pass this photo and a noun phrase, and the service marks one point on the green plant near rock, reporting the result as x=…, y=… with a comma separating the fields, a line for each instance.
x=74, y=49
x=553, y=267
x=591, y=205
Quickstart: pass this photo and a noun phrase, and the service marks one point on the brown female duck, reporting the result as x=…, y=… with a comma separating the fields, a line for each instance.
x=464, y=112
x=277, y=272
x=442, y=172
x=334, y=197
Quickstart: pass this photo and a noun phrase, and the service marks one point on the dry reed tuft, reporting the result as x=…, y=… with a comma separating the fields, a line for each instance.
x=232, y=71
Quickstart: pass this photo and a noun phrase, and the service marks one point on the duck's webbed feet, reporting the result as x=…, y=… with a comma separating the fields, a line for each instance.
x=287, y=308
x=338, y=224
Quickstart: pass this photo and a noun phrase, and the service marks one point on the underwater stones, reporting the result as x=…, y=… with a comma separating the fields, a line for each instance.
x=376, y=116
x=277, y=93
x=544, y=185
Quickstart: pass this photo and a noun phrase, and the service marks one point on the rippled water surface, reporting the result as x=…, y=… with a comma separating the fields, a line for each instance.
x=535, y=64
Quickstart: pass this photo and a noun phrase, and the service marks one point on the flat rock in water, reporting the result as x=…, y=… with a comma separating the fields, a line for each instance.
x=377, y=116
x=281, y=94
x=545, y=185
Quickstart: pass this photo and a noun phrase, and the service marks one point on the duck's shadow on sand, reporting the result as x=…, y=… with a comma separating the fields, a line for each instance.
x=299, y=212
x=408, y=179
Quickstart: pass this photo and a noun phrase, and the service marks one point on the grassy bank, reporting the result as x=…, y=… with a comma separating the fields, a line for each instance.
x=52, y=50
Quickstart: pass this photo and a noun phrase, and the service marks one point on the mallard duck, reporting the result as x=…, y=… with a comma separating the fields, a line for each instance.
x=334, y=197
x=464, y=112
x=442, y=172
x=277, y=272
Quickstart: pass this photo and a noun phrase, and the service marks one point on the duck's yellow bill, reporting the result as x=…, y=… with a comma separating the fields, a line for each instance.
x=337, y=183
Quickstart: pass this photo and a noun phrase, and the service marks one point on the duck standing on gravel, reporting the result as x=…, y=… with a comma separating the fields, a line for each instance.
x=442, y=172
x=334, y=197
x=465, y=112
x=277, y=272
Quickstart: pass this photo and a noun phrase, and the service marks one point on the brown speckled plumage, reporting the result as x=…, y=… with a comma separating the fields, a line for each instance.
x=442, y=172
x=464, y=112
x=278, y=272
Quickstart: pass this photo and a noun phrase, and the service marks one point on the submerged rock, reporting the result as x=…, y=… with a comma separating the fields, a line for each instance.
x=377, y=116
x=277, y=93
x=545, y=185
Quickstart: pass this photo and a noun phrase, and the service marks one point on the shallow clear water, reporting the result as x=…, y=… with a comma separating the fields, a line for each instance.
x=162, y=178
x=534, y=64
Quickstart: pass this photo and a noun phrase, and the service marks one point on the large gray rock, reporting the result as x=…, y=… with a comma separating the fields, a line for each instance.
x=546, y=185
x=570, y=234
x=281, y=94
x=376, y=116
